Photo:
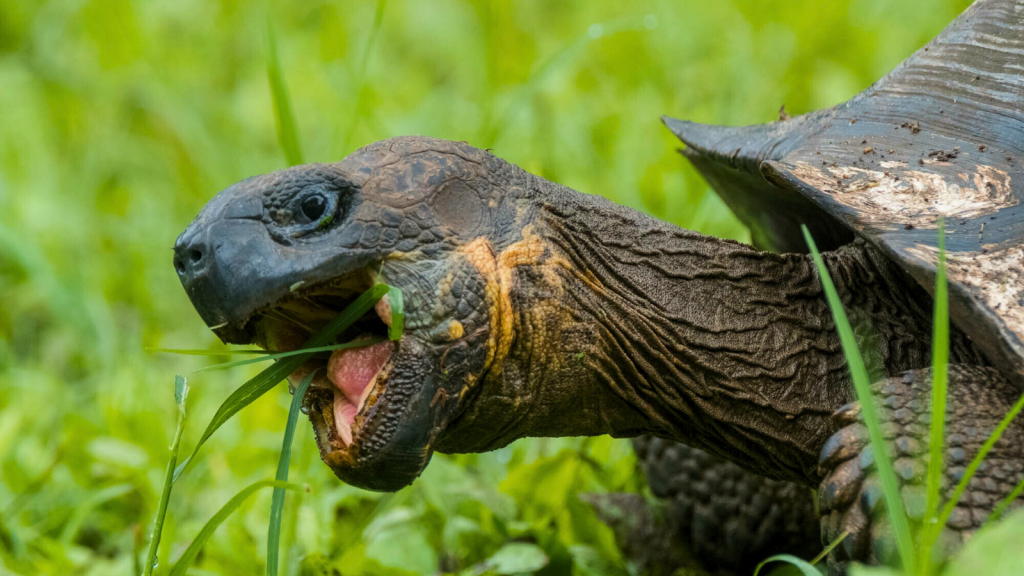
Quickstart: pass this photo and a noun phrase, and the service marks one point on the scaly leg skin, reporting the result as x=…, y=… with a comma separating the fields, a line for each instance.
x=850, y=495
x=726, y=518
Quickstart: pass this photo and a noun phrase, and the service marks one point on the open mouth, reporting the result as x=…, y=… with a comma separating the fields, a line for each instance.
x=347, y=383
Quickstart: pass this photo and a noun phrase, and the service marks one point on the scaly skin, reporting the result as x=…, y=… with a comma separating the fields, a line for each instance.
x=624, y=324
x=728, y=519
x=534, y=310
x=850, y=494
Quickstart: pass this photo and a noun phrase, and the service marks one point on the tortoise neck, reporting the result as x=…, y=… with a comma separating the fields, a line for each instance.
x=719, y=345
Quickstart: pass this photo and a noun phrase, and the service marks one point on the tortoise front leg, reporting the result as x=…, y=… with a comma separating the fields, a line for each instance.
x=850, y=498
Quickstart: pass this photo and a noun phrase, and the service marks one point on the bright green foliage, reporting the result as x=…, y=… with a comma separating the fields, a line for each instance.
x=287, y=131
x=119, y=119
x=516, y=558
x=228, y=509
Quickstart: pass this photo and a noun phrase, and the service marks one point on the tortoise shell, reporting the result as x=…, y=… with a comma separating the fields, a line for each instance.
x=938, y=139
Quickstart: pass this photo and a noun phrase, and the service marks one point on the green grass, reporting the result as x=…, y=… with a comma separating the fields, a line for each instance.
x=285, y=364
x=283, y=463
x=916, y=547
x=120, y=119
x=189, y=556
x=936, y=435
x=180, y=395
x=287, y=129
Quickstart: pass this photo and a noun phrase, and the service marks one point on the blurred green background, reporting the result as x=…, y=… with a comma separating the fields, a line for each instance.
x=119, y=119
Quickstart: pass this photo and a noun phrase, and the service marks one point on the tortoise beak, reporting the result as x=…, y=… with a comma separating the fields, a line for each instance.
x=232, y=268
x=223, y=294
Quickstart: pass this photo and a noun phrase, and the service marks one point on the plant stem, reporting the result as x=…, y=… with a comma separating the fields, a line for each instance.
x=180, y=393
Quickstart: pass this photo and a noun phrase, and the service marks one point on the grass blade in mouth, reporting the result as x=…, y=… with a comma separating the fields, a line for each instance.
x=397, y=313
x=277, y=504
x=181, y=566
x=267, y=379
x=180, y=394
x=276, y=355
x=862, y=385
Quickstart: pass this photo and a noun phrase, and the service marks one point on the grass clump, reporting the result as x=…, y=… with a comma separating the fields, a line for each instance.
x=285, y=364
x=914, y=546
x=186, y=559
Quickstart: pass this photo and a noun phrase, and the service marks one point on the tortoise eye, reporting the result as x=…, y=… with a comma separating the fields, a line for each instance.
x=314, y=207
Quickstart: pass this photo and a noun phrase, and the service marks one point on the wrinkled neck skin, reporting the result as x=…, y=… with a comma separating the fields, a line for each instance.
x=627, y=325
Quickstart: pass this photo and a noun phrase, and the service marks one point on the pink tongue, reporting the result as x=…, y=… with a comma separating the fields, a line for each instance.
x=351, y=371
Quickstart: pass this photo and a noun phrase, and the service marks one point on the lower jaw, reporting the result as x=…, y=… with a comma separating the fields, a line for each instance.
x=343, y=406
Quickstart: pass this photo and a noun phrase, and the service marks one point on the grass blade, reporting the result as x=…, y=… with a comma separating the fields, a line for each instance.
x=805, y=567
x=397, y=313
x=940, y=380
x=862, y=384
x=180, y=395
x=821, y=556
x=1005, y=504
x=191, y=352
x=138, y=540
x=277, y=503
x=556, y=62
x=357, y=110
x=276, y=355
x=287, y=131
x=181, y=566
x=267, y=379
x=86, y=507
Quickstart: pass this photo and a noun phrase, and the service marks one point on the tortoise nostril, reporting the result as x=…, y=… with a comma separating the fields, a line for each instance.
x=191, y=258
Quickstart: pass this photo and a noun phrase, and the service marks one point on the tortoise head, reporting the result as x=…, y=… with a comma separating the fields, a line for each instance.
x=274, y=258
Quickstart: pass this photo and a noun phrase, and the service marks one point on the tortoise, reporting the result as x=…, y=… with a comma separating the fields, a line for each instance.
x=536, y=310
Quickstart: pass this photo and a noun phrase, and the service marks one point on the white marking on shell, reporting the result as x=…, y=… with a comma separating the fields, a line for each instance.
x=911, y=196
x=996, y=278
